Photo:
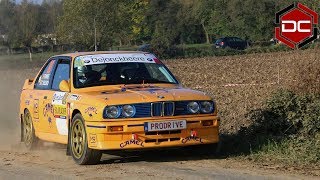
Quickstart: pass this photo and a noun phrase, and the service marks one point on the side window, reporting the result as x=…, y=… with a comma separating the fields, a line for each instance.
x=230, y=40
x=62, y=73
x=43, y=81
x=238, y=40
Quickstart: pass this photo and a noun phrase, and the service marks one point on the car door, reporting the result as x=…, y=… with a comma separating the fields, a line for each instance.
x=240, y=43
x=41, y=89
x=231, y=43
x=56, y=106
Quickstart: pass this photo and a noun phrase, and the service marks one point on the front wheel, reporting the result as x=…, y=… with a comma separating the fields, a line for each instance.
x=80, y=151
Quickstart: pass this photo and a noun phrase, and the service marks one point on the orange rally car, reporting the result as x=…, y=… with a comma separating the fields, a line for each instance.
x=99, y=101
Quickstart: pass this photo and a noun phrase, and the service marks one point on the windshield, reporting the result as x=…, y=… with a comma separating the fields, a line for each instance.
x=121, y=73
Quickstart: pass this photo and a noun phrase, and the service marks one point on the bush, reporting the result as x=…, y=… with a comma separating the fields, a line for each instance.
x=287, y=113
x=290, y=125
x=308, y=78
x=286, y=129
x=164, y=50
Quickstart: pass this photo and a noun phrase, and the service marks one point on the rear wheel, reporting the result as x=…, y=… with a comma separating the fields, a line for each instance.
x=28, y=134
x=80, y=151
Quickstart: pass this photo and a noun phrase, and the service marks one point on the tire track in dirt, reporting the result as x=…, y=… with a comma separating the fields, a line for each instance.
x=35, y=165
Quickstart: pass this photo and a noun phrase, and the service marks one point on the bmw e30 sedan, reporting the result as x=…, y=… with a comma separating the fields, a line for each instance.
x=99, y=101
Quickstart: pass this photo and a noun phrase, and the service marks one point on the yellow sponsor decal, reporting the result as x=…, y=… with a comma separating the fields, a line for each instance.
x=60, y=111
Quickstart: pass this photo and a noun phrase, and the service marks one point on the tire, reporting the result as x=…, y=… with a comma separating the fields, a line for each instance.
x=27, y=131
x=79, y=149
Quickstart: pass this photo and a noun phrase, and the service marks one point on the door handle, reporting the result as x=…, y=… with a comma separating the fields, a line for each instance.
x=45, y=97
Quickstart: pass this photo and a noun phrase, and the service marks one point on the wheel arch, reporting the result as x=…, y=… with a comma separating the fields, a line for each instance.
x=74, y=112
x=21, y=123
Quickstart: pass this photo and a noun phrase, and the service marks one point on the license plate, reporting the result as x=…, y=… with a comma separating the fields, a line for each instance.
x=165, y=125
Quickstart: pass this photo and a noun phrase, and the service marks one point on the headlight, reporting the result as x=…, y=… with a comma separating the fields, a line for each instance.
x=112, y=112
x=193, y=107
x=128, y=110
x=206, y=107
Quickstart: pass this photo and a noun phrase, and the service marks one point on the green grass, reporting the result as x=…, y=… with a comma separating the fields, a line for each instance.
x=25, y=57
x=291, y=151
x=22, y=61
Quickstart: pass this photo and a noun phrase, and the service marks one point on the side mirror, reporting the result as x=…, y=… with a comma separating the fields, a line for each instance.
x=64, y=86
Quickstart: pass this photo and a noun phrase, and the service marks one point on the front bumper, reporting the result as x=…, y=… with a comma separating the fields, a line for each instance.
x=101, y=137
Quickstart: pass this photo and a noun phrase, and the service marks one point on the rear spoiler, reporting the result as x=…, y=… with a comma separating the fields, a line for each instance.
x=27, y=84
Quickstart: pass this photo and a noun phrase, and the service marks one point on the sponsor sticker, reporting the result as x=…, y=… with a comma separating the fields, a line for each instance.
x=90, y=111
x=60, y=111
x=45, y=76
x=43, y=83
x=50, y=67
x=74, y=97
x=36, y=109
x=191, y=138
x=130, y=142
x=59, y=98
x=48, y=112
x=114, y=58
x=44, y=80
x=48, y=109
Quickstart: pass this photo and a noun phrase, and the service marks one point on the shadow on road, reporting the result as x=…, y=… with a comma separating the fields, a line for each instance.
x=164, y=155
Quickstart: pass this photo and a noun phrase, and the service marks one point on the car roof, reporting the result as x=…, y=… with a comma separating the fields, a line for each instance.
x=75, y=54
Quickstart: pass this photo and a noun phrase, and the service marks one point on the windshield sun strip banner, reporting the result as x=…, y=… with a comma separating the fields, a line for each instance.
x=114, y=58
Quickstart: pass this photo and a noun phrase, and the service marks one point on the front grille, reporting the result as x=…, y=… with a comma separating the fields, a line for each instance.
x=143, y=110
x=156, y=109
x=162, y=109
x=168, y=108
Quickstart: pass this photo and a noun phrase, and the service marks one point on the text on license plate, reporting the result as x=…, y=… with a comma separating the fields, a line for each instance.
x=165, y=125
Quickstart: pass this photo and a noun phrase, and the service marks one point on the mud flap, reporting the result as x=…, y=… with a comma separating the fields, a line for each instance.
x=21, y=128
x=68, y=152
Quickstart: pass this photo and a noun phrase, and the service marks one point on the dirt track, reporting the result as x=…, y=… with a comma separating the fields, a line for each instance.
x=53, y=164
x=50, y=162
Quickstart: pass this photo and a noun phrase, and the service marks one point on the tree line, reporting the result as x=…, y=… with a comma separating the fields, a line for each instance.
x=20, y=24
x=135, y=22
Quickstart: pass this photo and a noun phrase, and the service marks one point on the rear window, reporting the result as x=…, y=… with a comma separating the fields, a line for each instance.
x=219, y=40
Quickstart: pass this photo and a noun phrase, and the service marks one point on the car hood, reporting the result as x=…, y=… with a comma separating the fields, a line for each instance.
x=140, y=94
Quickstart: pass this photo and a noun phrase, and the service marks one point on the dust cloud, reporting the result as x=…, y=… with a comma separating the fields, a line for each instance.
x=12, y=76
